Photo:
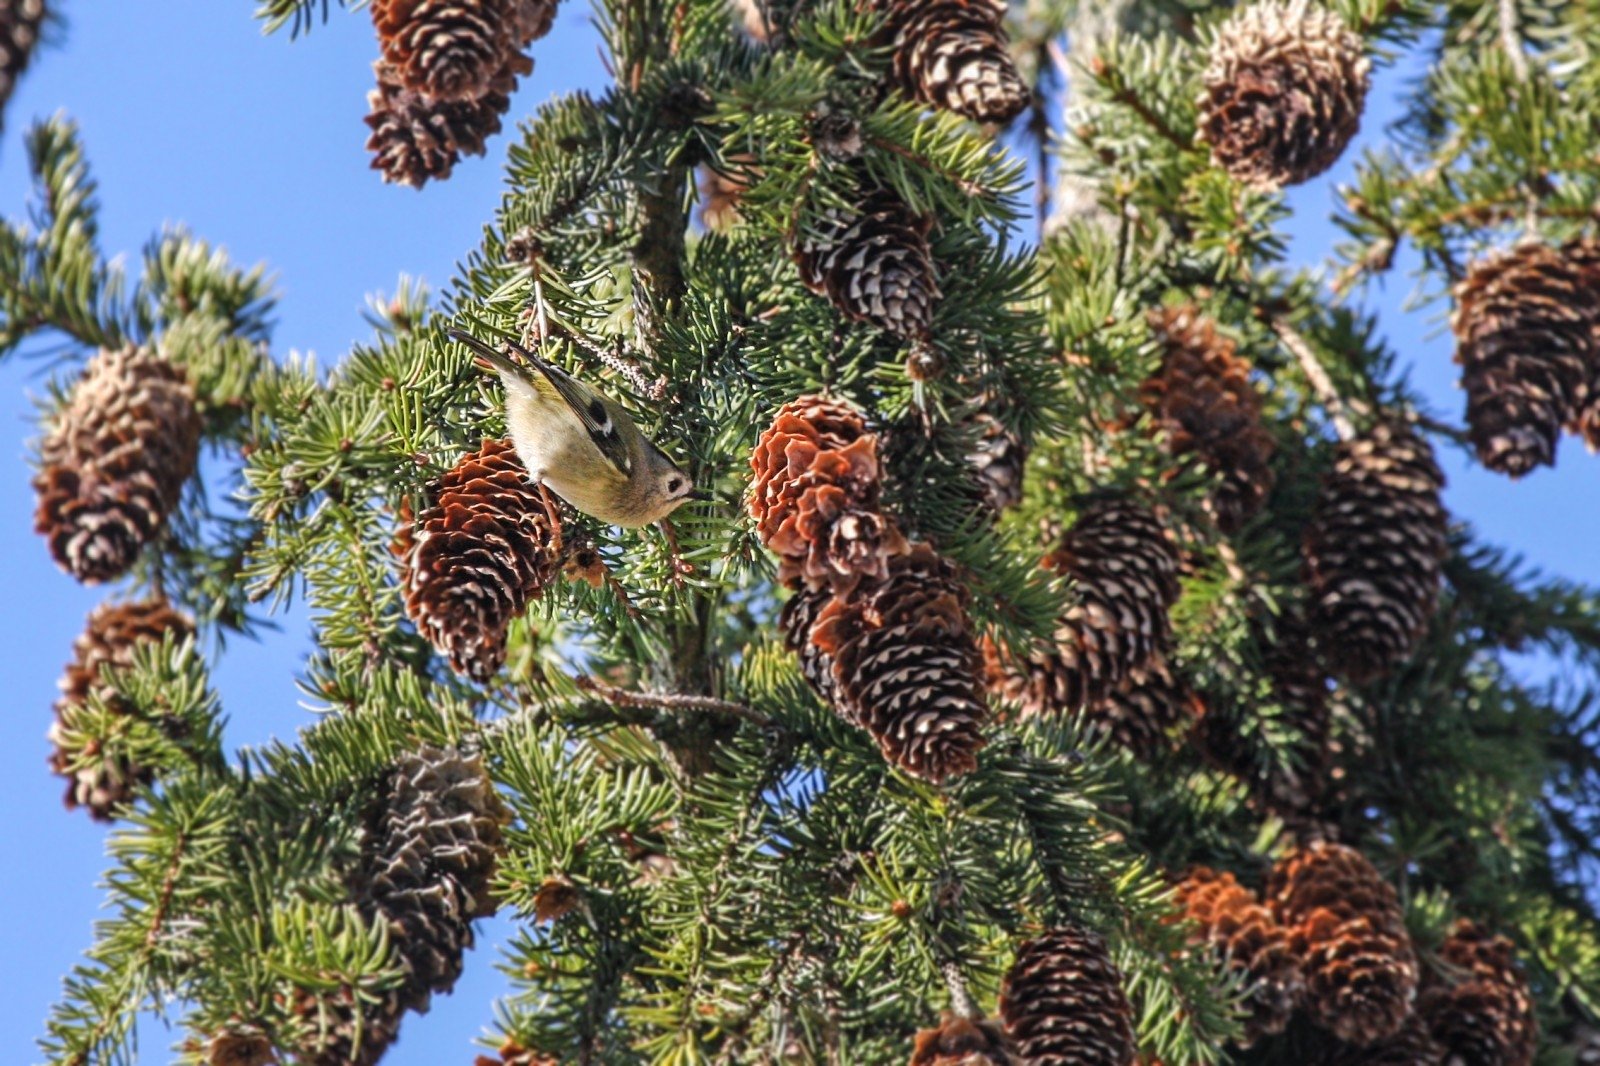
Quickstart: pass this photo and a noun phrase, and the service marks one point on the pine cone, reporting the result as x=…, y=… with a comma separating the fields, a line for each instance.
x=511, y=1053
x=1230, y=921
x=1487, y=1017
x=1411, y=1046
x=720, y=194
x=483, y=550
x=952, y=54
x=1346, y=928
x=1203, y=403
x=427, y=860
x=114, y=462
x=1375, y=548
x=534, y=19
x=797, y=620
x=1524, y=324
x=1283, y=93
x=1000, y=460
x=240, y=1045
x=414, y=138
x=905, y=665
x=1063, y=1002
x=445, y=50
x=1126, y=577
x=962, y=1041
x=1584, y=256
x=1142, y=712
x=20, y=25
x=873, y=263
x=815, y=496
x=114, y=630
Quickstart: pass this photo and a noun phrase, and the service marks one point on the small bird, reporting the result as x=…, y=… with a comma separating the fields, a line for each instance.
x=583, y=445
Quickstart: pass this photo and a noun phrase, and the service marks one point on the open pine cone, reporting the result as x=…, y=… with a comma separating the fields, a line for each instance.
x=1231, y=922
x=415, y=138
x=959, y=1041
x=1486, y=1018
x=114, y=461
x=1346, y=929
x=482, y=550
x=21, y=22
x=815, y=496
x=1284, y=92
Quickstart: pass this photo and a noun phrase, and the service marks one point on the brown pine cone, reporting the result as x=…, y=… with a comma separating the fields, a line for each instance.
x=1063, y=1002
x=512, y=1053
x=20, y=24
x=534, y=19
x=1487, y=1017
x=905, y=665
x=815, y=496
x=1374, y=550
x=1584, y=256
x=1284, y=92
x=797, y=620
x=873, y=263
x=1202, y=401
x=1000, y=460
x=1125, y=571
x=1525, y=324
x=1346, y=928
x=952, y=54
x=482, y=551
x=101, y=783
x=1143, y=712
x=414, y=138
x=240, y=1045
x=959, y=1041
x=114, y=462
x=445, y=50
x=428, y=855
x=1231, y=922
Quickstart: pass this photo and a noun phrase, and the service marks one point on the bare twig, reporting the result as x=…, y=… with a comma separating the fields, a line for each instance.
x=1511, y=39
x=670, y=701
x=1316, y=374
x=960, y=999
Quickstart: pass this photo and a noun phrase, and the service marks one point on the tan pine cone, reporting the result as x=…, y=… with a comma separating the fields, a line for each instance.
x=1143, y=712
x=815, y=496
x=483, y=549
x=720, y=193
x=114, y=462
x=1525, y=324
x=512, y=1053
x=1374, y=550
x=445, y=50
x=1346, y=928
x=114, y=630
x=1204, y=404
x=1063, y=1002
x=428, y=855
x=1125, y=572
x=414, y=138
x=1486, y=1018
x=952, y=54
x=240, y=1045
x=873, y=263
x=905, y=665
x=21, y=22
x=1284, y=92
x=959, y=1041
x=1230, y=921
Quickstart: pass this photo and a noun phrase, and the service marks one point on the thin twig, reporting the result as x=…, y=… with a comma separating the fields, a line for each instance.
x=1316, y=374
x=670, y=701
x=1511, y=39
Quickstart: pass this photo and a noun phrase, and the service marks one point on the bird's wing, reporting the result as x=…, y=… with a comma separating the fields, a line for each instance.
x=584, y=402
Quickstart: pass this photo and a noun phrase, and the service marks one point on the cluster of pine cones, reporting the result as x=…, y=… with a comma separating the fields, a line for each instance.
x=445, y=78
x=1327, y=938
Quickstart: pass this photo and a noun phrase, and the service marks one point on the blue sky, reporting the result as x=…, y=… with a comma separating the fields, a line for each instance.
x=190, y=115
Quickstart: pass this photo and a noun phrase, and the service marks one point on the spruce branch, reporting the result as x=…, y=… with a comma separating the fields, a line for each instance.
x=671, y=701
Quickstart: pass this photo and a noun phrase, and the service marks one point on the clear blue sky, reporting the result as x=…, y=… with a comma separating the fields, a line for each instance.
x=190, y=115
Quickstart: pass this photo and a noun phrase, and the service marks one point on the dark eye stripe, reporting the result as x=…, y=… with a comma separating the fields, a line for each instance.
x=597, y=411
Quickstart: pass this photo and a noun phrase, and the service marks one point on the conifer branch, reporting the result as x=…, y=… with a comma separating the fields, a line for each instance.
x=671, y=701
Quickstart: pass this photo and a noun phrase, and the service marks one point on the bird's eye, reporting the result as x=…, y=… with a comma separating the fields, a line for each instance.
x=674, y=484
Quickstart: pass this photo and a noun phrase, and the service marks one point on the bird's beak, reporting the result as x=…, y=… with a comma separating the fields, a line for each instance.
x=701, y=496
x=484, y=356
